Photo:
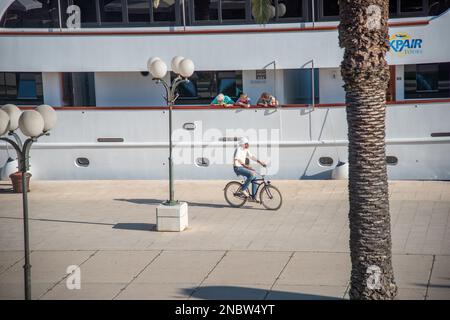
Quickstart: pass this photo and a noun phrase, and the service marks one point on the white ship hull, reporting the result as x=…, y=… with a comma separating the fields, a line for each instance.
x=294, y=139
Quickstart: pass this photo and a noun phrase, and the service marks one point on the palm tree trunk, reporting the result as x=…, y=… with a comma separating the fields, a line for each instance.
x=363, y=33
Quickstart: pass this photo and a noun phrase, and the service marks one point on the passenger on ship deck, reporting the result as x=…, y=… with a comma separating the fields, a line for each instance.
x=267, y=100
x=243, y=101
x=223, y=100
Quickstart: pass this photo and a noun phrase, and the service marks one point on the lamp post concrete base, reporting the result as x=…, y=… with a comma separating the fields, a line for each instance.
x=172, y=217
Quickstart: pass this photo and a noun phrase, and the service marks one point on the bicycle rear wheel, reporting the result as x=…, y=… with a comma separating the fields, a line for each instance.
x=231, y=192
x=271, y=197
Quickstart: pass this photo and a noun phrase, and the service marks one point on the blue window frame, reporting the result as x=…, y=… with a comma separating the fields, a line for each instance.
x=21, y=88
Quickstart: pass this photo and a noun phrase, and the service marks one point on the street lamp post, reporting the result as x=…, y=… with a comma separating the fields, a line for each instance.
x=33, y=124
x=183, y=68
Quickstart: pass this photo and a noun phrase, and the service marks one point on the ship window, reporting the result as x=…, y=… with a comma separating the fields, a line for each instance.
x=424, y=81
x=392, y=8
x=411, y=5
x=288, y=10
x=96, y=13
x=27, y=87
x=427, y=77
x=233, y=9
x=139, y=11
x=436, y=7
x=111, y=11
x=10, y=85
x=298, y=86
x=408, y=8
x=88, y=12
x=291, y=8
x=204, y=86
x=78, y=88
x=206, y=10
x=165, y=11
x=21, y=88
x=330, y=8
x=32, y=14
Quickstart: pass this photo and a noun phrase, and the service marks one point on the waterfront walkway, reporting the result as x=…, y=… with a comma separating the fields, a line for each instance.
x=298, y=252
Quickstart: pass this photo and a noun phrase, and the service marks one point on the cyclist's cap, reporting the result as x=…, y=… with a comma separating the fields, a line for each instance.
x=243, y=141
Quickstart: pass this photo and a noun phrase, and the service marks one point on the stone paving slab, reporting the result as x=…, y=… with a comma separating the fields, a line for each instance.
x=441, y=272
x=48, y=268
x=115, y=266
x=248, y=268
x=442, y=293
x=15, y=291
x=413, y=294
x=317, y=269
x=9, y=258
x=157, y=291
x=88, y=291
x=299, y=292
x=412, y=271
x=180, y=267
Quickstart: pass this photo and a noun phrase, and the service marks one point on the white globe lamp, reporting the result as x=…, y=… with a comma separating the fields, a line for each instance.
x=4, y=122
x=31, y=123
x=176, y=63
x=186, y=68
x=49, y=116
x=14, y=113
x=158, y=69
x=150, y=62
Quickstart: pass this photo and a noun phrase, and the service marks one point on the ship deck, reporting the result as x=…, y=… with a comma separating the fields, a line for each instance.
x=298, y=252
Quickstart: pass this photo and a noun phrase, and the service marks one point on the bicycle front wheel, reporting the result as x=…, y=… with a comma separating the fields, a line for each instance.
x=271, y=197
x=232, y=194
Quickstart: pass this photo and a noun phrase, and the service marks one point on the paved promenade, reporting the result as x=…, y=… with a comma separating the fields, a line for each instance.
x=298, y=252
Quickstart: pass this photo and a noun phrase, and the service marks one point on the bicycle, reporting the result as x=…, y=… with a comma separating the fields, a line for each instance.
x=269, y=195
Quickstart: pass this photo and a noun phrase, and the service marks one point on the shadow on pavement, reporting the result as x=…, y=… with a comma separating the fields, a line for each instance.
x=244, y=293
x=431, y=285
x=58, y=220
x=135, y=226
x=190, y=203
x=122, y=226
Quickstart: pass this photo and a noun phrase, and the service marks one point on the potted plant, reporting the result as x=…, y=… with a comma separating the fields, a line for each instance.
x=16, y=180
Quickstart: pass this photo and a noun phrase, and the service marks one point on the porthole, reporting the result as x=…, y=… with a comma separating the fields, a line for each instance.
x=391, y=160
x=82, y=162
x=225, y=139
x=189, y=126
x=326, y=161
x=202, y=162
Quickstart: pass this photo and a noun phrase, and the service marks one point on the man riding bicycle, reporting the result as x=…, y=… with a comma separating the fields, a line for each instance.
x=241, y=168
